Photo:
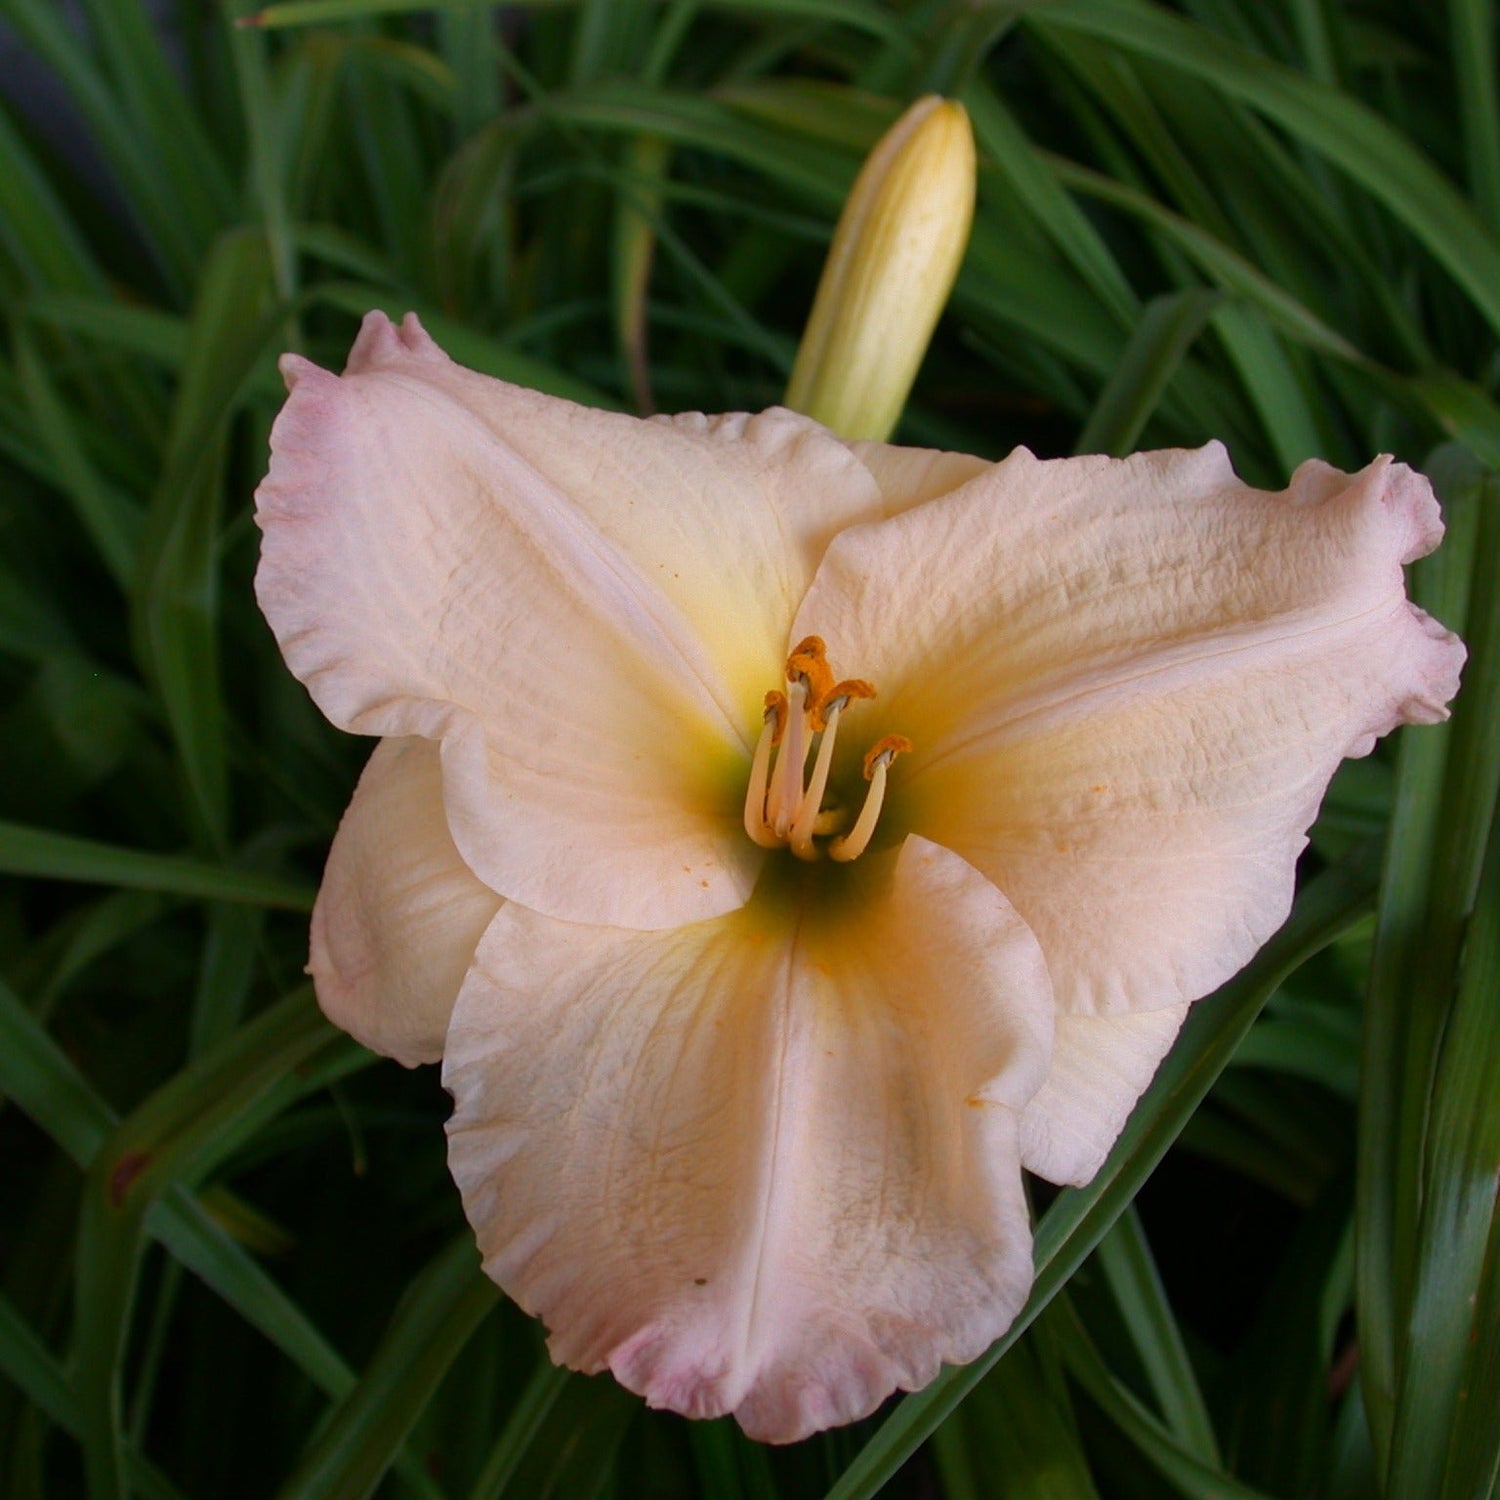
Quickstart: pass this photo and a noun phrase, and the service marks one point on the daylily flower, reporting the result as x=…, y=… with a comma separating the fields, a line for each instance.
x=783, y=842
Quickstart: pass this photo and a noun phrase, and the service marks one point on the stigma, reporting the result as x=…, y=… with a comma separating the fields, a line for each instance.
x=784, y=803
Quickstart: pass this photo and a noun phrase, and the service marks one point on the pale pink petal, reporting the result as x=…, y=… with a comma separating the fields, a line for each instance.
x=913, y=476
x=766, y=1164
x=399, y=914
x=1129, y=683
x=585, y=608
x=1100, y=1067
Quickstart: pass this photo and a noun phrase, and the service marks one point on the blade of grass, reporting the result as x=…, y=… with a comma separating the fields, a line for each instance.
x=157, y=336
x=1223, y=266
x=574, y=1456
x=1357, y=140
x=434, y=1321
x=526, y=1420
x=1016, y=1434
x=1125, y=1258
x=1277, y=1385
x=34, y=224
x=1471, y=30
x=60, y=856
x=111, y=519
x=1427, y=894
x=1033, y=178
x=1460, y=1145
x=175, y=603
x=1465, y=412
x=820, y=174
x=1186, y=1472
x=45, y=1085
x=1272, y=382
x=267, y=125
x=27, y=1361
x=192, y=173
x=225, y=974
x=728, y=1464
x=149, y=192
x=174, y=1139
x=858, y=14
x=635, y=247
x=1166, y=331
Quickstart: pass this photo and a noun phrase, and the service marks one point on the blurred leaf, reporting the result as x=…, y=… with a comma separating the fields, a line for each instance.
x=1349, y=134
x=1473, y=43
x=1280, y=1380
x=111, y=519
x=176, y=596
x=127, y=115
x=1185, y=1472
x=173, y=1140
x=1445, y=796
x=1033, y=178
x=729, y=1465
x=36, y=1075
x=526, y=1421
x=1166, y=331
x=435, y=1320
x=60, y=856
x=861, y=14
x=1444, y=1439
x=1125, y=1258
x=1465, y=412
x=26, y=1361
x=1014, y=1436
x=34, y=225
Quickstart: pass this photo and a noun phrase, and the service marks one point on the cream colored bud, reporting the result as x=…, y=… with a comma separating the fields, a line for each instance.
x=896, y=252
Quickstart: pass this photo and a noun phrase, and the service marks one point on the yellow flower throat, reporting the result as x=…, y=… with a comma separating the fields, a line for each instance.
x=781, y=809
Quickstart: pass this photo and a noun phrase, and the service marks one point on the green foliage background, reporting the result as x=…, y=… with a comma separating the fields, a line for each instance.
x=231, y=1263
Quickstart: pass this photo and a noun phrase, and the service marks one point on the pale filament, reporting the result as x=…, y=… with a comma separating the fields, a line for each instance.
x=786, y=788
x=805, y=823
x=857, y=840
x=755, y=794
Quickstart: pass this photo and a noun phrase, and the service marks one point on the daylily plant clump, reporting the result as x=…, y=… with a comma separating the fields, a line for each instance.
x=783, y=842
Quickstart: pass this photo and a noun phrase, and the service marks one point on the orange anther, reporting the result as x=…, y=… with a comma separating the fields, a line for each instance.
x=888, y=749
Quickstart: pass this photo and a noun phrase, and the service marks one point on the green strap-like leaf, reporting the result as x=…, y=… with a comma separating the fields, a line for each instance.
x=1377, y=156
x=1167, y=329
x=435, y=1320
x=59, y=856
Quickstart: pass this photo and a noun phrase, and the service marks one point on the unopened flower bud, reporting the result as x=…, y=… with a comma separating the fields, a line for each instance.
x=895, y=254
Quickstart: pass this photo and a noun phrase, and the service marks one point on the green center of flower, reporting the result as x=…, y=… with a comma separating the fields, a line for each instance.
x=783, y=805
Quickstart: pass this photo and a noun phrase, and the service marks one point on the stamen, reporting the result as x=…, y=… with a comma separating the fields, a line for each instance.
x=776, y=710
x=855, y=687
x=805, y=822
x=786, y=785
x=760, y=766
x=809, y=664
x=857, y=840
